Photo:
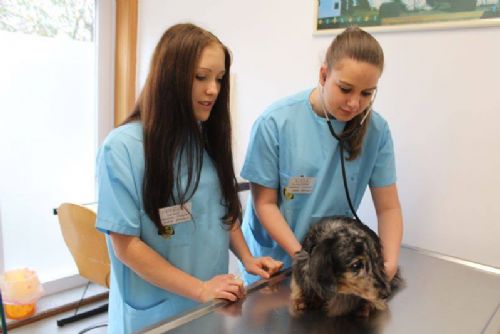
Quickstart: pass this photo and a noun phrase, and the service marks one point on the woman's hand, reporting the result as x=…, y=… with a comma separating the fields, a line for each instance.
x=390, y=269
x=222, y=286
x=262, y=266
x=265, y=266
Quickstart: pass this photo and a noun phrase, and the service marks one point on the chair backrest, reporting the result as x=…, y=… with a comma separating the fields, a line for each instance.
x=86, y=244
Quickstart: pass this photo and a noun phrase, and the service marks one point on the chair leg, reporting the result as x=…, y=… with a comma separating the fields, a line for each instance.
x=85, y=330
x=83, y=315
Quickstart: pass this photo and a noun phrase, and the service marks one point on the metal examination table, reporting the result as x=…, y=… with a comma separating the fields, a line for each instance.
x=442, y=295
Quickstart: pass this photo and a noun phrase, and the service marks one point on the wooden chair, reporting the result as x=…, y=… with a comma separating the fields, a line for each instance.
x=88, y=248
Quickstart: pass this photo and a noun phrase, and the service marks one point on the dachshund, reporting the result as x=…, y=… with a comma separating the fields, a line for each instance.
x=340, y=271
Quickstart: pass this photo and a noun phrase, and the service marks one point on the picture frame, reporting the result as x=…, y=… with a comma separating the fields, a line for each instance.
x=332, y=16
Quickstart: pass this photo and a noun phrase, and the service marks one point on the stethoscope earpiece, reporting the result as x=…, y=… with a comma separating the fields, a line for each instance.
x=369, y=109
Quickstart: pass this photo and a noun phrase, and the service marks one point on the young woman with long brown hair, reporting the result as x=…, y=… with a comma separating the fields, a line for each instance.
x=167, y=191
x=310, y=149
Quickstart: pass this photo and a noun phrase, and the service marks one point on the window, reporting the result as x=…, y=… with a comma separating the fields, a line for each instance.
x=55, y=93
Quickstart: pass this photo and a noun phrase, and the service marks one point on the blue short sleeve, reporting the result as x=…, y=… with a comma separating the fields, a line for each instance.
x=118, y=199
x=261, y=162
x=384, y=171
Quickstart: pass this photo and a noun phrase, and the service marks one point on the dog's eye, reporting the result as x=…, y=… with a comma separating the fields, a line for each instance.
x=357, y=266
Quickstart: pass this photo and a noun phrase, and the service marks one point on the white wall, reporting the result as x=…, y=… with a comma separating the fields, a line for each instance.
x=2, y=265
x=439, y=93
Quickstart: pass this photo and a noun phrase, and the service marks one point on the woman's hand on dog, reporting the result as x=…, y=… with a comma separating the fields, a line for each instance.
x=390, y=269
x=264, y=266
x=226, y=286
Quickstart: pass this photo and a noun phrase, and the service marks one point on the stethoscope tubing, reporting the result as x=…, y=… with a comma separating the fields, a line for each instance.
x=342, y=164
x=341, y=139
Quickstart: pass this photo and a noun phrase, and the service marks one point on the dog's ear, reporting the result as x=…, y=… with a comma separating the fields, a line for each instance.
x=300, y=272
x=376, y=266
x=300, y=266
x=322, y=269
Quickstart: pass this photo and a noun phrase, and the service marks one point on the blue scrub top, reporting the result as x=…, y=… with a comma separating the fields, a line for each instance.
x=289, y=140
x=199, y=246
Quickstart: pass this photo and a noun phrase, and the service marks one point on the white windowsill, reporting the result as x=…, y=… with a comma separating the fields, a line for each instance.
x=54, y=300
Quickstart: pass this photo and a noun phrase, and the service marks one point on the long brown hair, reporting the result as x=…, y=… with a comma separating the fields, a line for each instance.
x=356, y=44
x=172, y=136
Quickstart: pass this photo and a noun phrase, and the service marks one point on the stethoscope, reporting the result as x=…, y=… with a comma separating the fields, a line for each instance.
x=341, y=139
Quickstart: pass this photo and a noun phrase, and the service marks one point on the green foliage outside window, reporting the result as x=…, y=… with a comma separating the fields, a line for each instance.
x=49, y=18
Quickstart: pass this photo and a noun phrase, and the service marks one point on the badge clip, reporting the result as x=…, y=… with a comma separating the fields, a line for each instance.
x=168, y=232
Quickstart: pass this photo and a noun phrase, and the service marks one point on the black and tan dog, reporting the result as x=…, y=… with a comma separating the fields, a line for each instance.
x=340, y=270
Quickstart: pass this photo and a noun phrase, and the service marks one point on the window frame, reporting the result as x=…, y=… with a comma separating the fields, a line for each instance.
x=104, y=36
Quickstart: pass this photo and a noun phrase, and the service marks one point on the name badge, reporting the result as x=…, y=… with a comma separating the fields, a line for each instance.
x=175, y=214
x=301, y=184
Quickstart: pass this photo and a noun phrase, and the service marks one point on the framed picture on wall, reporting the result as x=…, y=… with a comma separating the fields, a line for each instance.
x=386, y=15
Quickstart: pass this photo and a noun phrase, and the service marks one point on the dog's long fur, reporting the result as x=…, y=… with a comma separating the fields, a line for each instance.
x=340, y=270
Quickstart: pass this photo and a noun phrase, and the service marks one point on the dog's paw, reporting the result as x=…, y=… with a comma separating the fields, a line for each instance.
x=297, y=307
x=364, y=311
x=378, y=304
